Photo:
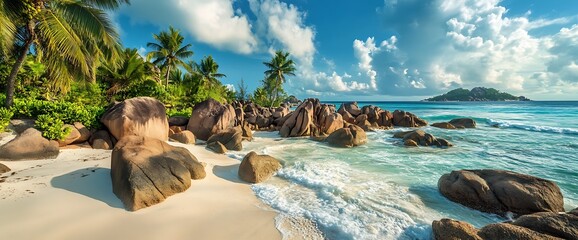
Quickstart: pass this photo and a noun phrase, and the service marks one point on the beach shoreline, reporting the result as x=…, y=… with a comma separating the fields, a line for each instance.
x=71, y=197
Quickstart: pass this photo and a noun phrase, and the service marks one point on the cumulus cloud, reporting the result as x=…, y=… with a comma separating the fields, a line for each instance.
x=214, y=22
x=444, y=44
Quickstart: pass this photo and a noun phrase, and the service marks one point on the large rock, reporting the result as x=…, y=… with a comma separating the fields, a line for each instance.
x=562, y=225
x=217, y=147
x=407, y=119
x=258, y=168
x=247, y=132
x=497, y=191
x=444, y=125
x=101, y=140
x=178, y=121
x=385, y=119
x=142, y=116
x=463, y=123
x=84, y=133
x=186, y=137
x=21, y=125
x=299, y=122
x=419, y=137
x=332, y=123
x=231, y=138
x=506, y=231
x=350, y=136
x=449, y=229
x=210, y=117
x=71, y=137
x=145, y=171
x=4, y=168
x=29, y=145
x=350, y=107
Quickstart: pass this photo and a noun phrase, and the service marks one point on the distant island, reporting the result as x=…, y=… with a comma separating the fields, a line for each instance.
x=476, y=94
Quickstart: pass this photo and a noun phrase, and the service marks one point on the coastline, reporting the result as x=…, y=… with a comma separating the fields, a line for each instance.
x=71, y=197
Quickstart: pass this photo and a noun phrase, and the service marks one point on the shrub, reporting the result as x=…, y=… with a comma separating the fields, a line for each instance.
x=184, y=112
x=5, y=116
x=65, y=111
x=52, y=127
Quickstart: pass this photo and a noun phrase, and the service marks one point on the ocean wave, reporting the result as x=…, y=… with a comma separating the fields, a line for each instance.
x=345, y=203
x=533, y=128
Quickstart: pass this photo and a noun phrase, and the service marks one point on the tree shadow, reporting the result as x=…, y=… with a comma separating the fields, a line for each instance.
x=228, y=173
x=93, y=182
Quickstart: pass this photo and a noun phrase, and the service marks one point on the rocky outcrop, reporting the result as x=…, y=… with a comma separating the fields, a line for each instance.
x=186, y=137
x=448, y=229
x=407, y=119
x=29, y=145
x=142, y=116
x=145, y=171
x=84, y=133
x=350, y=107
x=258, y=168
x=421, y=138
x=463, y=123
x=444, y=125
x=332, y=123
x=231, y=138
x=299, y=122
x=350, y=136
x=385, y=119
x=497, y=191
x=101, y=140
x=4, y=168
x=562, y=225
x=71, y=137
x=217, y=147
x=178, y=121
x=210, y=117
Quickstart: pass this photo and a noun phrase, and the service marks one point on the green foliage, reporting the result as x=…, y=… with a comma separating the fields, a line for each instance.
x=5, y=116
x=147, y=88
x=51, y=127
x=168, y=52
x=67, y=112
x=184, y=112
x=476, y=94
x=87, y=94
x=279, y=66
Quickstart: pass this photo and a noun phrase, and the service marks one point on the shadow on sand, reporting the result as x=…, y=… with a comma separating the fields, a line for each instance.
x=228, y=173
x=92, y=182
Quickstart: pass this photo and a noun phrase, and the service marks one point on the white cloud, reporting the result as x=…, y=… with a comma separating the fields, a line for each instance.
x=214, y=22
x=231, y=87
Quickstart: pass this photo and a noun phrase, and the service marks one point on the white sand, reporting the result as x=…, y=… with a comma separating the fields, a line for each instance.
x=71, y=198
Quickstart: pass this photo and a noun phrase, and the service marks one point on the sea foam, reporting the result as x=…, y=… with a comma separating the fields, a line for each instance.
x=533, y=128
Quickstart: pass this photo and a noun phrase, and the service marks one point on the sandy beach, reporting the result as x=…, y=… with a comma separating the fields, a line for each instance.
x=71, y=197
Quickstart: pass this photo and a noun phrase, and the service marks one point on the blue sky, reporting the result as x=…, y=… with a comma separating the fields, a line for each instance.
x=376, y=49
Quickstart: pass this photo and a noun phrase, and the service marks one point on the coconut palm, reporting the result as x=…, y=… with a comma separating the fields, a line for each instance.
x=279, y=66
x=69, y=37
x=168, y=51
x=129, y=70
x=208, y=70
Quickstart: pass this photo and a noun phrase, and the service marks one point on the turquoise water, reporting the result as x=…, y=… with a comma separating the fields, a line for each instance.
x=383, y=190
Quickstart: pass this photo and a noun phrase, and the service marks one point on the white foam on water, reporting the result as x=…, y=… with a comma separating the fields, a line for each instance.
x=346, y=203
x=533, y=128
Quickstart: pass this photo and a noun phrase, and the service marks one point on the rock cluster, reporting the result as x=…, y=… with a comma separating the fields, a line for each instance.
x=421, y=138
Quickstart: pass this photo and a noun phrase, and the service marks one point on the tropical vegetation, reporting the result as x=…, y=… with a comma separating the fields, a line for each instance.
x=476, y=94
x=61, y=62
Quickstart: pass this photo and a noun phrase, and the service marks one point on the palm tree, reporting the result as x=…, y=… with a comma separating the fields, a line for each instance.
x=279, y=66
x=208, y=70
x=67, y=36
x=168, y=52
x=131, y=69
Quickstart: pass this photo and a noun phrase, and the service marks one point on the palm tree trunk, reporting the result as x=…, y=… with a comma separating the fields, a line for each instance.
x=167, y=76
x=17, y=65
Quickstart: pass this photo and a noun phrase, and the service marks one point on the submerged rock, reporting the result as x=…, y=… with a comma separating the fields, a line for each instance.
x=562, y=225
x=463, y=123
x=145, y=171
x=258, y=168
x=141, y=116
x=444, y=125
x=497, y=191
x=421, y=138
x=449, y=229
x=29, y=145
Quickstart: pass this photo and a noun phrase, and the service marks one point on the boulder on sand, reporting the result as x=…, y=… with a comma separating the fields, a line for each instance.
x=186, y=137
x=299, y=122
x=350, y=136
x=145, y=171
x=4, y=168
x=258, y=168
x=497, y=191
x=29, y=145
x=141, y=116
x=101, y=140
x=231, y=138
x=71, y=137
x=210, y=117
x=217, y=147
x=463, y=123
x=84, y=133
